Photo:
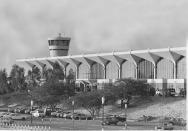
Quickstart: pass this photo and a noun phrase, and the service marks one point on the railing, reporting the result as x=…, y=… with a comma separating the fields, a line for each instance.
x=23, y=127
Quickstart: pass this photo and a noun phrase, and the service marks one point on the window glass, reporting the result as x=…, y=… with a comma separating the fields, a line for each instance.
x=59, y=42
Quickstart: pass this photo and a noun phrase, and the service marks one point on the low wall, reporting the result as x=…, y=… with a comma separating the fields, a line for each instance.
x=177, y=84
x=160, y=84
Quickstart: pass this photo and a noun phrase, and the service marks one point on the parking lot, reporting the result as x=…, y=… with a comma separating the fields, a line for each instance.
x=62, y=120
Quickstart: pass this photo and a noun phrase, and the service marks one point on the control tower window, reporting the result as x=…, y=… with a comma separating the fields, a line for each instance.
x=65, y=42
x=58, y=42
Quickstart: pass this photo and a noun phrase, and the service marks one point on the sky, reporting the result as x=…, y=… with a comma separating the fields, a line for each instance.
x=93, y=25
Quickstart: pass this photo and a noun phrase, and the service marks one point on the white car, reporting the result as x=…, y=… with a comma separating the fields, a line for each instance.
x=16, y=116
x=38, y=113
x=158, y=93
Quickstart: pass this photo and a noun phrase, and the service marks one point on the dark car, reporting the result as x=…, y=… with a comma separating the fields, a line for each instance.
x=171, y=92
x=48, y=111
x=81, y=116
x=165, y=126
x=175, y=121
x=113, y=120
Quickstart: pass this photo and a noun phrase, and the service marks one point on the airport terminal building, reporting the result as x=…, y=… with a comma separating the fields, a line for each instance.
x=159, y=67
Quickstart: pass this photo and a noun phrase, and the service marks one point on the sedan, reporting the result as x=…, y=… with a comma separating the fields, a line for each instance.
x=16, y=116
x=4, y=114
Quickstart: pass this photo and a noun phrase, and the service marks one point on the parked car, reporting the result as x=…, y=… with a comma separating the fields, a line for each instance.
x=171, y=92
x=38, y=113
x=182, y=92
x=48, y=111
x=27, y=111
x=75, y=116
x=174, y=121
x=16, y=110
x=81, y=116
x=165, y=126
x=110, y=120
x=146, y=118
x=67, y=115
x=57, y=114
x=2, y=114
x=158, y=92
x=6, y=120
x=113, y=119
x=16, y=116
x=11, y=110
x=22, y=110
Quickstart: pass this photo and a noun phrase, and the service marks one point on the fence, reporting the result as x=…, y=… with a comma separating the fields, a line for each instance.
x=23, y=127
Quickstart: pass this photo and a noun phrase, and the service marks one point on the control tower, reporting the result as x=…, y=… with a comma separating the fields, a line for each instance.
x=59, y=46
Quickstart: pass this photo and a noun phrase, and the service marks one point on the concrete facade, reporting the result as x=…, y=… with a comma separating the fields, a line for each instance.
x=156, y=66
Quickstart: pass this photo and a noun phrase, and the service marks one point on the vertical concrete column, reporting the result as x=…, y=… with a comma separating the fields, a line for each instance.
x=65, y=71
x=175, y=70
x=104, y=66
x=91, y=72
x=136, y=71
x=77, y=71
x=120, y=71
x=155, y=71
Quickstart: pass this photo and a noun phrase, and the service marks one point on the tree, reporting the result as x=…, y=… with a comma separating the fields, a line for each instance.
x=90, y=101
x=17, y=78
x=3, y=82
x=71, y=76
x=58, y=72
x=51, y=93
x=36, y=73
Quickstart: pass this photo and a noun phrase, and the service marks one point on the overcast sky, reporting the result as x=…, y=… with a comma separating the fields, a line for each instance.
x=93, y=25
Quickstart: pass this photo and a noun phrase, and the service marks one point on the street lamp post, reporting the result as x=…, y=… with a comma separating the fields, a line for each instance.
x=125, y=113
x=103, y=100
x=31, y=107
x=73, y=114
x=31, y=112
x=125, y=101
